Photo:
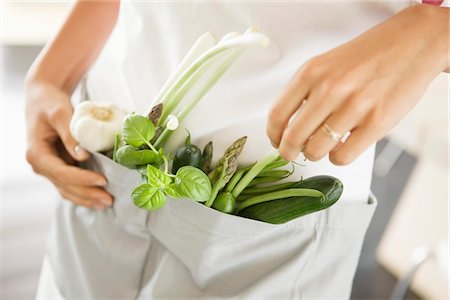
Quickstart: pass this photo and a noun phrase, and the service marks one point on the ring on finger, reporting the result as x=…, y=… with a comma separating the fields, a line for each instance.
x=331, y=133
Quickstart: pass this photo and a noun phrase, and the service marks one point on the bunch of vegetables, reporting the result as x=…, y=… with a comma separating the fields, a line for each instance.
x=137, y=141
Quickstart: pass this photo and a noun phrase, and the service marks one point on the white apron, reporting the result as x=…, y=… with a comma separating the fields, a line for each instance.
x=186, y=250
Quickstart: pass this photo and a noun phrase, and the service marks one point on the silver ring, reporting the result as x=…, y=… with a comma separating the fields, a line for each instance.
x=332, y=134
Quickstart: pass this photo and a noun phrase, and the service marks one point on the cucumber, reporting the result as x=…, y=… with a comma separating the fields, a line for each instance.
x=284, y=210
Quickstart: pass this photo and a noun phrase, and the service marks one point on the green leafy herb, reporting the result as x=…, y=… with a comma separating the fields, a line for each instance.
x=190, y=183
x=157, y=178
x=148, y=197
x=131, y=156
x=137, y=130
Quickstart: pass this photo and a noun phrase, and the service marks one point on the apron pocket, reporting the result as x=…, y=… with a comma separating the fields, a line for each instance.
x=101, y=254
x=230, y=256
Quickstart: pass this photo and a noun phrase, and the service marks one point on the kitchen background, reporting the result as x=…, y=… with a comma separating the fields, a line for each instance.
x=408, y=235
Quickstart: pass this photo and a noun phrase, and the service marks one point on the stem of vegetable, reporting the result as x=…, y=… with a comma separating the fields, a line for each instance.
x=246, y=39
x=252, y=173
x=261, y=180
x=116, y=146
x=274, y=173
x=166, y=164
x=236, y=177
x=199, y=95
x=279, y=195
x=203, y=43
x=279, y=162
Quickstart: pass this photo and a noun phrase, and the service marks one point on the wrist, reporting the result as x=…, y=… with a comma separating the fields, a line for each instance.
x=435, y=21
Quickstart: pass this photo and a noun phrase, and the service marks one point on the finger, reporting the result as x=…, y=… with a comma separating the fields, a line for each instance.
x=305, y=123
x=60, y=120
x=341, y=121
x=67, y=195
x=285, y=107
x=358, y=141
x=46, y=162
x=94, y=194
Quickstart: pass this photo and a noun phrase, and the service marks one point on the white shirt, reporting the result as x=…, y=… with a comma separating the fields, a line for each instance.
x=151, y=39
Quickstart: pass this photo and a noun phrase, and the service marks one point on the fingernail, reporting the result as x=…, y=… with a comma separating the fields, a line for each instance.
x=99, y=206
x=274, y=145
x=106, y=202
x=101, y=183
x=80, y=152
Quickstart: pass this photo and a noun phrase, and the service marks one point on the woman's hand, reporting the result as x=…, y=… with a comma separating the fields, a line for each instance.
x=364, y=87
x=52, y=151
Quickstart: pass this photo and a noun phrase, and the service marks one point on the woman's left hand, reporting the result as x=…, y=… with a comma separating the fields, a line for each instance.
x=363, y=87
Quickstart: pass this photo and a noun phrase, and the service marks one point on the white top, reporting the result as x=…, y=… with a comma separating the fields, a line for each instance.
x=150, y=40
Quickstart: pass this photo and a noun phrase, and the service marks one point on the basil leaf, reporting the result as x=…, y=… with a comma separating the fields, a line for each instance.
x=148, y=197
x=130, y=156
x=157, y=178
x=137, y=130
x=190, y=183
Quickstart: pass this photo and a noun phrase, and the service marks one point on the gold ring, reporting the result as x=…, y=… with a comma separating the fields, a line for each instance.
x=333, y=134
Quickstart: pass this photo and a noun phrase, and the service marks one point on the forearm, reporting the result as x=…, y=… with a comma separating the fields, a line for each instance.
x=65, y=59
x=437, y=28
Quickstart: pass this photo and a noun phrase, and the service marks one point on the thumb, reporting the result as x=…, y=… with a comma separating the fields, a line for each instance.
x=61, y=123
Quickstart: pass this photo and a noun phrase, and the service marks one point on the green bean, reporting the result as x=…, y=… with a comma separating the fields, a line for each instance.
x=252, y=173
x=262, y=180
x=274, y=173
x=279, y=162
x=268, y=189
x=279, y=195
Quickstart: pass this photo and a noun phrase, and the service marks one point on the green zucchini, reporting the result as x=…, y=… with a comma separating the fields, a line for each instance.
x=286, y=209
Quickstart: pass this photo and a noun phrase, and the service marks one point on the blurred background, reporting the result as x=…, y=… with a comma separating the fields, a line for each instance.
x=406, y=248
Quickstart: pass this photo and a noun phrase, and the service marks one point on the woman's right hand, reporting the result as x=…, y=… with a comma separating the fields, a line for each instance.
x=53, y=152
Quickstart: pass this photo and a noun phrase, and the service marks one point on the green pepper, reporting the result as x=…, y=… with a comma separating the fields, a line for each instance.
x=187, y=155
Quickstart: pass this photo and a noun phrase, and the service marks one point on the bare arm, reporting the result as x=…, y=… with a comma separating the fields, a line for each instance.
x=65, y=60
x=52, y=151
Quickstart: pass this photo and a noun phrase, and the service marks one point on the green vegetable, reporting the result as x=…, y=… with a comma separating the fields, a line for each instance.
x=274, y=173
x=187, y=155
x=207, y=157
x=131, y=156
x=155, y=113
x=263, y=180
x=157, y=178
x=191, y=183
x=225, y=203
x=137, y=131
x=148, y=197
x=281, y=195
x=268, y=189
x=225, y=168
x=252, y=173
x=117, y=142
x=278, y=162
x=289, y=208
x=236, y=177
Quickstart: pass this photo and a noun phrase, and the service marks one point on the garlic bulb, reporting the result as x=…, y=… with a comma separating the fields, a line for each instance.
x=94, y=125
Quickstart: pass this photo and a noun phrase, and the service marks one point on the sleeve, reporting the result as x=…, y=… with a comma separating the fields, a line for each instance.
x=442, y=3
